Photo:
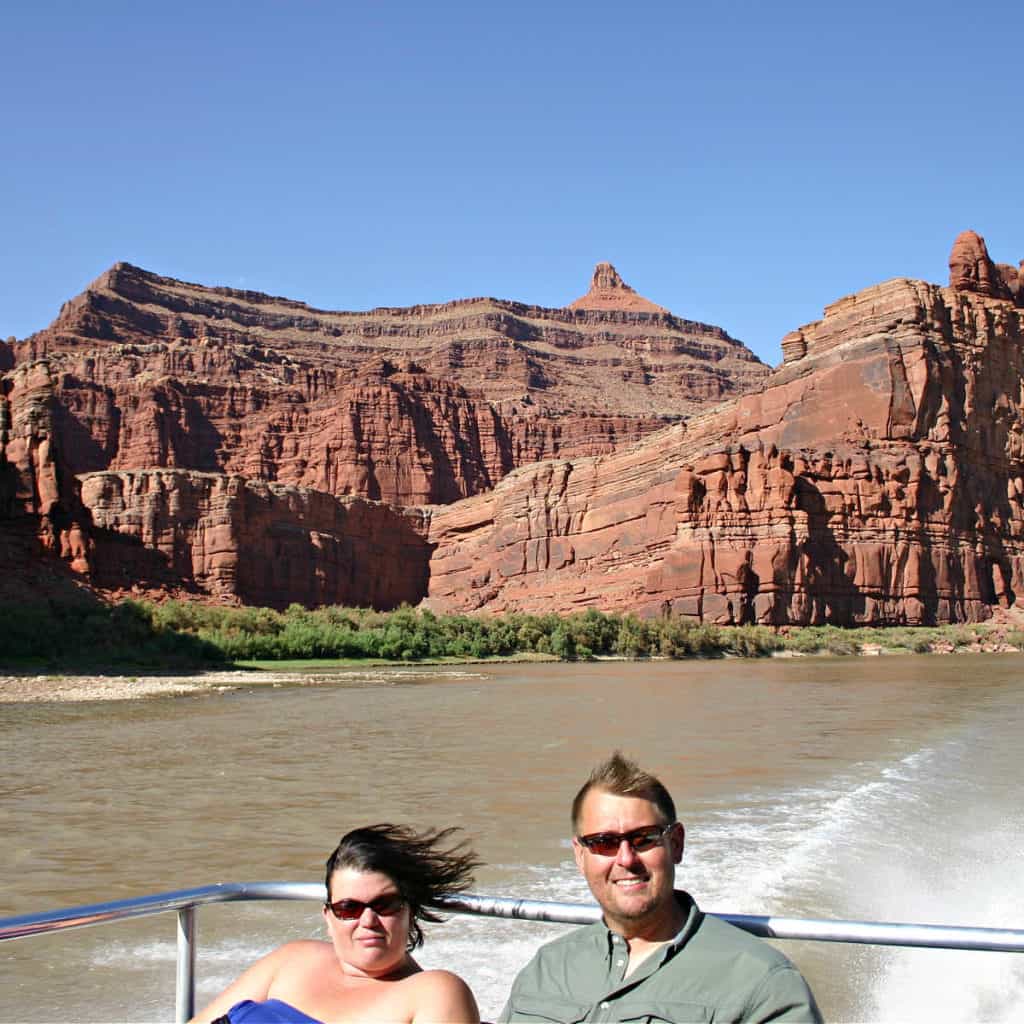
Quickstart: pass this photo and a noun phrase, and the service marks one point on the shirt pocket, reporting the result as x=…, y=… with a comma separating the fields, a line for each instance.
x=663, y=1011
x=547, y=1010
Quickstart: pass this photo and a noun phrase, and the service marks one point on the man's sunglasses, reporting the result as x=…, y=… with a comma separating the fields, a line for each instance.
x=607, y=844
x=382, y=906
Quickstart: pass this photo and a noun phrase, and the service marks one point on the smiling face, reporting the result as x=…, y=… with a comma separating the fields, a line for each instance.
x=633, y=889
x=372, y=945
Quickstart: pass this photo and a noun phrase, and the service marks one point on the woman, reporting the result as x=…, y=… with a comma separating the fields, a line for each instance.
x=382, y=881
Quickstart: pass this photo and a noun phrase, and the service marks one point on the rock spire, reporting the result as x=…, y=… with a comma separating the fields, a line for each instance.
x=609, y=291
x=971, y=270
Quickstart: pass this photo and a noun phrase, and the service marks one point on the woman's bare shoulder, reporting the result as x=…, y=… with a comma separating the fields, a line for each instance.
x=303, y=951
x=309, y=945
x=285, y=966
x=437, y=976
x=442, y=996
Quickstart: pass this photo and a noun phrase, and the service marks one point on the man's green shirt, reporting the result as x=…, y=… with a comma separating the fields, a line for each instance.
x=710, y=971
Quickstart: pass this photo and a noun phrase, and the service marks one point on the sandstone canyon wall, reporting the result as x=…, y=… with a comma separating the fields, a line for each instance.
x=877, y=477
x=161, y=436
x=422, y=405
x=269, y=419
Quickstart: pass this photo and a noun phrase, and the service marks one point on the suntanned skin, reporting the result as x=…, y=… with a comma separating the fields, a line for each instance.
x=633, y=889
x=362, y=974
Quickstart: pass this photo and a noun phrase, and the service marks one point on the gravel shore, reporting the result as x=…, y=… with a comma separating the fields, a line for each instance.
x=27, y=688
x=20, y=689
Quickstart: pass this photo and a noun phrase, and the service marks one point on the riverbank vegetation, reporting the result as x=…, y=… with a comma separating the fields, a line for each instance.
x=186, y=634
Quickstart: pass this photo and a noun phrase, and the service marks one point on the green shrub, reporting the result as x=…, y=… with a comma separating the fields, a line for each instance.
x=593, y=630
x=839, y=644
x=563, y=645
x=633, y=639
x=87, y=632
x=752, y=641
x=184, y=633
x=1015, y=638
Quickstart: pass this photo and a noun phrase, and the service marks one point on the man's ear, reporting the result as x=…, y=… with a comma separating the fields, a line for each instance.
x=677, y=840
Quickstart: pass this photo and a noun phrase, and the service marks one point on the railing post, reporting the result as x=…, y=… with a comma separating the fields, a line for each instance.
x=185, y=989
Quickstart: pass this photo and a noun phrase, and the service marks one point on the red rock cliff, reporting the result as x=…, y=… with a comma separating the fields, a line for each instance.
x=264, y=544
x=421, y=405
x=426, y=404
x=878, y=477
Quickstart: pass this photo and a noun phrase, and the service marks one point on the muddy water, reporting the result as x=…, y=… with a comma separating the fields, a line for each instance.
x=873, y=788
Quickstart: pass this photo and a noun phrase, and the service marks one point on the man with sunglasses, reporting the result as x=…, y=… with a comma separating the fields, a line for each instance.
x=655, y=955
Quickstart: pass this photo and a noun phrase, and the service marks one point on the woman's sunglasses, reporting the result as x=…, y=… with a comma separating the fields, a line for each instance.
x=382, y=906
x=606, y=844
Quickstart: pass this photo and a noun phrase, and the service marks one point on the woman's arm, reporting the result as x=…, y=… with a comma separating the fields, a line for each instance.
x=444, y=998
x=253, y=984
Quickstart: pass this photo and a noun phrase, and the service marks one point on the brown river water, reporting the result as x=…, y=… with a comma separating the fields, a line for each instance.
x=873, y=788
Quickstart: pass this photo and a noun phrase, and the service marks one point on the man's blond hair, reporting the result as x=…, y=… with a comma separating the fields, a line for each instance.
x=620, y=776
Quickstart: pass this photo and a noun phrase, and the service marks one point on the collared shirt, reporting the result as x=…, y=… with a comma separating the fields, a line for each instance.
x=710, y=971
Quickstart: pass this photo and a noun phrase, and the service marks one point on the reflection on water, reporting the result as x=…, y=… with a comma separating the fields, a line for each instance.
x=870, y=788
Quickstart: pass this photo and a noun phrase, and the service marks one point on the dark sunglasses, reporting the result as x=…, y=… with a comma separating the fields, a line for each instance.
x=606, y=844
x=382, y=906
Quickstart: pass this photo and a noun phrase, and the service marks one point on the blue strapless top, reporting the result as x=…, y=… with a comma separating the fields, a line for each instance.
x=273, y=1011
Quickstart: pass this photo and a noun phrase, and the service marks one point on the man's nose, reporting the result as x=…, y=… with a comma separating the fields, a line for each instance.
x=626, y=855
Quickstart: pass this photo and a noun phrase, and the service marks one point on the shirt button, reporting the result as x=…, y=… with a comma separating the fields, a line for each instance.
x=619, y=963
x=604, y=1006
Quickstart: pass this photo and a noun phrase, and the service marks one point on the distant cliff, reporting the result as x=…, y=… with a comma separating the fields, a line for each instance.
x=488, y=455
x=422, y=405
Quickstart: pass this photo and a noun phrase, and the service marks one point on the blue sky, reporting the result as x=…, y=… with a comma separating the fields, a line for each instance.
x=741, y=163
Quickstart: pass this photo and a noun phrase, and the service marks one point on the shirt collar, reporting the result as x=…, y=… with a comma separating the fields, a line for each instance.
x=691, y=922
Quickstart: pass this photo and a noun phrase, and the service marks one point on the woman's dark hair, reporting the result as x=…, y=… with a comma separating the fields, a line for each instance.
x=425, y=871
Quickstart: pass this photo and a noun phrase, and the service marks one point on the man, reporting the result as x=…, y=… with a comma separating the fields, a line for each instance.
x=654, y=956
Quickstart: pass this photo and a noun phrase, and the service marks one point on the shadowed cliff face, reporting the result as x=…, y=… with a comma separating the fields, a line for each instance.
x=163, y=436
x=263, y=544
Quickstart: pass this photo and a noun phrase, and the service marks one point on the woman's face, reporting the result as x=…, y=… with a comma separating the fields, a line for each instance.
x=372, y=943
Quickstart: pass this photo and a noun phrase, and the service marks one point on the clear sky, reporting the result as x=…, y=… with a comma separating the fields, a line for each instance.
x=743, y=163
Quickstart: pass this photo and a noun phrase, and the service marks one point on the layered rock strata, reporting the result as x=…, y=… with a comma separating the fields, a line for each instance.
x=609, y=291
x=971, y=270
x=234, y=539
x=877, y=478
x=425, y=404
x=265, y=415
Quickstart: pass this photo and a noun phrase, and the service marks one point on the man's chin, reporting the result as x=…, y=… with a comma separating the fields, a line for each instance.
x=630, y=910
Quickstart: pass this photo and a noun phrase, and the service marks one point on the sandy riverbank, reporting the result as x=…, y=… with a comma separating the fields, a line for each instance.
x=33, y=688
x=20, y=689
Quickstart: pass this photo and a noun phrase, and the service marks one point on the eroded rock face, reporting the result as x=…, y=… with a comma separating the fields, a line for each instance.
x=234, y=539
x=972, y=270
x=38, y=503
x=609, y=291
x=877, y=478
x=422, y=405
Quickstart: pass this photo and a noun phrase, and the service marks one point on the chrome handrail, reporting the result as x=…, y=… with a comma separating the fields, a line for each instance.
x=185, y=902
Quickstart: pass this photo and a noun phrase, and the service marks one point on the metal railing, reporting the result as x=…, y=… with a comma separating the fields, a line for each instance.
x=185, y=901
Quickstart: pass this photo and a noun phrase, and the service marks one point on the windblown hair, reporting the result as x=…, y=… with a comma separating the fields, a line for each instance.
x=622, y=777
x=424, y=868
